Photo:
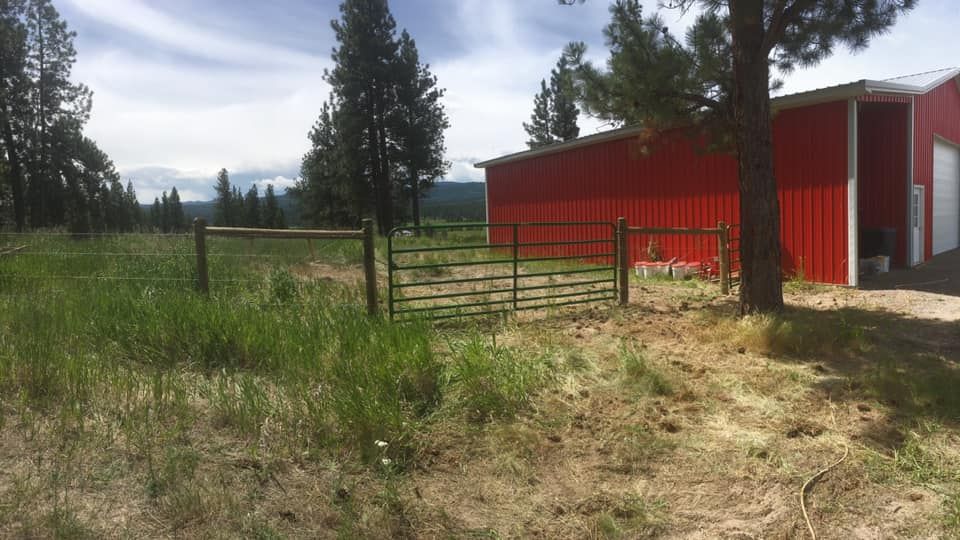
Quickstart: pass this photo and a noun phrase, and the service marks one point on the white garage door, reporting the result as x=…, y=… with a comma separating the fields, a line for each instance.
x=946, y=197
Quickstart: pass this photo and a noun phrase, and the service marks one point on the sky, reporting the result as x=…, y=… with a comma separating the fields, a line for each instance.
x=183, y=88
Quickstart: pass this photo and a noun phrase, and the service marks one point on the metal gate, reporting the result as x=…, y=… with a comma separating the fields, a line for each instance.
x=460, y=270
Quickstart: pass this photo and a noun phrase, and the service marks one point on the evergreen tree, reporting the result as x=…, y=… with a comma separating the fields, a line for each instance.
x=272, y=213
x=539, y=127
x=251, y=206
x=237, y=213
x=156, y=215
x=223, y=205
x=379, y=139
x=563, y=106
x=133, y=206
x=555, y=112
x=165, y=220
x=14, y=103
x=718, y=81
x=60, y=109
x=419, y=124
x=178, y=222
x=363, y=81
x=324, y=192
x=56, y=176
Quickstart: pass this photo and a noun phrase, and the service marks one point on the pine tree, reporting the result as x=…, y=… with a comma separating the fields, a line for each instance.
x=555, y=112
x=165, y=220
x=133, y=207
x=272, y=213
x=419, y=123
x=323, y=191
x=364, y=83
x=178, y=221
x=718, y=81
x=156, y=215
x=60, y=109
x=56, y=175
x=563, y=106
x=251, y=207
x=539, y=127
x=14, y=103
x=237, y=212
x=223, y=204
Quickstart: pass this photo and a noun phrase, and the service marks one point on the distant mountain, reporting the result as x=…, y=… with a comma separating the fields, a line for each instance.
x=447, y=201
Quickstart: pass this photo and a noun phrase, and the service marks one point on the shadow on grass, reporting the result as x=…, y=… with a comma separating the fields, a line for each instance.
x=910, y=364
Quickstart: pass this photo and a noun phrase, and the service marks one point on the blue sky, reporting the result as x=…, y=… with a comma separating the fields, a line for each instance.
x=185, y=87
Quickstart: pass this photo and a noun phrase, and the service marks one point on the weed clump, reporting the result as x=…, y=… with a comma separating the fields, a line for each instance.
x=638, y=373
x=492, y=381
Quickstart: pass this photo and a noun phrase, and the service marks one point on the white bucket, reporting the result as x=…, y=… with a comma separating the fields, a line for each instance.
x=656, y=269
x=684, y=270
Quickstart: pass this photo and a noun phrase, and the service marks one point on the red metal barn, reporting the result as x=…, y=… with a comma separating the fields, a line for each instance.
x=848, y=159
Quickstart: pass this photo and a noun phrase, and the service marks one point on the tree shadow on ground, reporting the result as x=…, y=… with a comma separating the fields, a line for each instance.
x=940, y=275
x=910, y=364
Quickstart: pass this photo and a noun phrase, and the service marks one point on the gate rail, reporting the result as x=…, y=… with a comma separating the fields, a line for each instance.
x=515, y=297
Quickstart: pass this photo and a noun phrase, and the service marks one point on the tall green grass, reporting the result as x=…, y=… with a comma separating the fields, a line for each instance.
x=287, y=361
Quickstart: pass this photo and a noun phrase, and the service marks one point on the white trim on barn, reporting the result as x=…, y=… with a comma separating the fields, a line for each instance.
x=911, y=146
x=853, y=225
x=486, y=205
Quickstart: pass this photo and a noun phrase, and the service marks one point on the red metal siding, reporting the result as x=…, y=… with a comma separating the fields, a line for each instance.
x=677, y=185
x=935, y=113
x=882, y=170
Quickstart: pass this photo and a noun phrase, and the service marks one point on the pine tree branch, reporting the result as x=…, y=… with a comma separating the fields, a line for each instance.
x=783, y=16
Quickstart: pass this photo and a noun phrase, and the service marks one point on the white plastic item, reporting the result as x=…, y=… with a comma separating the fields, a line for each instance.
x=683, y=270
x=882, y=263
x=651, y=270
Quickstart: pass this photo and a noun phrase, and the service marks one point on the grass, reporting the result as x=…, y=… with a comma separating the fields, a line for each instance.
x=640, y=375
x=285, y=366
x=276, y=408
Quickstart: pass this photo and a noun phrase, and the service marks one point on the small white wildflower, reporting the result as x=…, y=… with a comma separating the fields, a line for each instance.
x=381, y=444
x=386, y=462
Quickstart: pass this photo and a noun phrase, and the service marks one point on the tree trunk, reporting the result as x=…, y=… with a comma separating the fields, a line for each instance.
x=761, y=289
x=415, y=199
x=386, y=190
x=16, y=171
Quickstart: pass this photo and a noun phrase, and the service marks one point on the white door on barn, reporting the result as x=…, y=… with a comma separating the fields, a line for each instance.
x=946, y=197
x=916, y=225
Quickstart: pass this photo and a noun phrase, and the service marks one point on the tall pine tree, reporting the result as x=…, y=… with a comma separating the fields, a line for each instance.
x=178, y=221
x=539, y=127
x=56, y=176
x=363, y=81
x=718, y=81
x=273, y=217
x=378, y=143
x=251, y=208
x=223, y=205
x=419, y=123
x=555, y=112
x=325, y=193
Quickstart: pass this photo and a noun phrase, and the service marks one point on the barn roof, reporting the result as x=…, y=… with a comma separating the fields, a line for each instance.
x=919, y=83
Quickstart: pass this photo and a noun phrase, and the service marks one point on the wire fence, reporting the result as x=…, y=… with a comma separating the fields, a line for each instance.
x=44, y=258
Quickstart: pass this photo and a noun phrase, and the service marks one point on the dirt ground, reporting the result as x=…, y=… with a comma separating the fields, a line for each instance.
x=724, y=454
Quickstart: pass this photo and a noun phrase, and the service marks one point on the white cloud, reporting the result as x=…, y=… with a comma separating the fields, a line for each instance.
x=280, y=183
x=193, y=98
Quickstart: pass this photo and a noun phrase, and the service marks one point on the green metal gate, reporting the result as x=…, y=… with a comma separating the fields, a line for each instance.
x=460, y=270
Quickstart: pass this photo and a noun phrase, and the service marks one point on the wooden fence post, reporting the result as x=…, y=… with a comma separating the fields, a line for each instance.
x=723, y=245
x=200, y=239
x=623, y=261
x=369, y=267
